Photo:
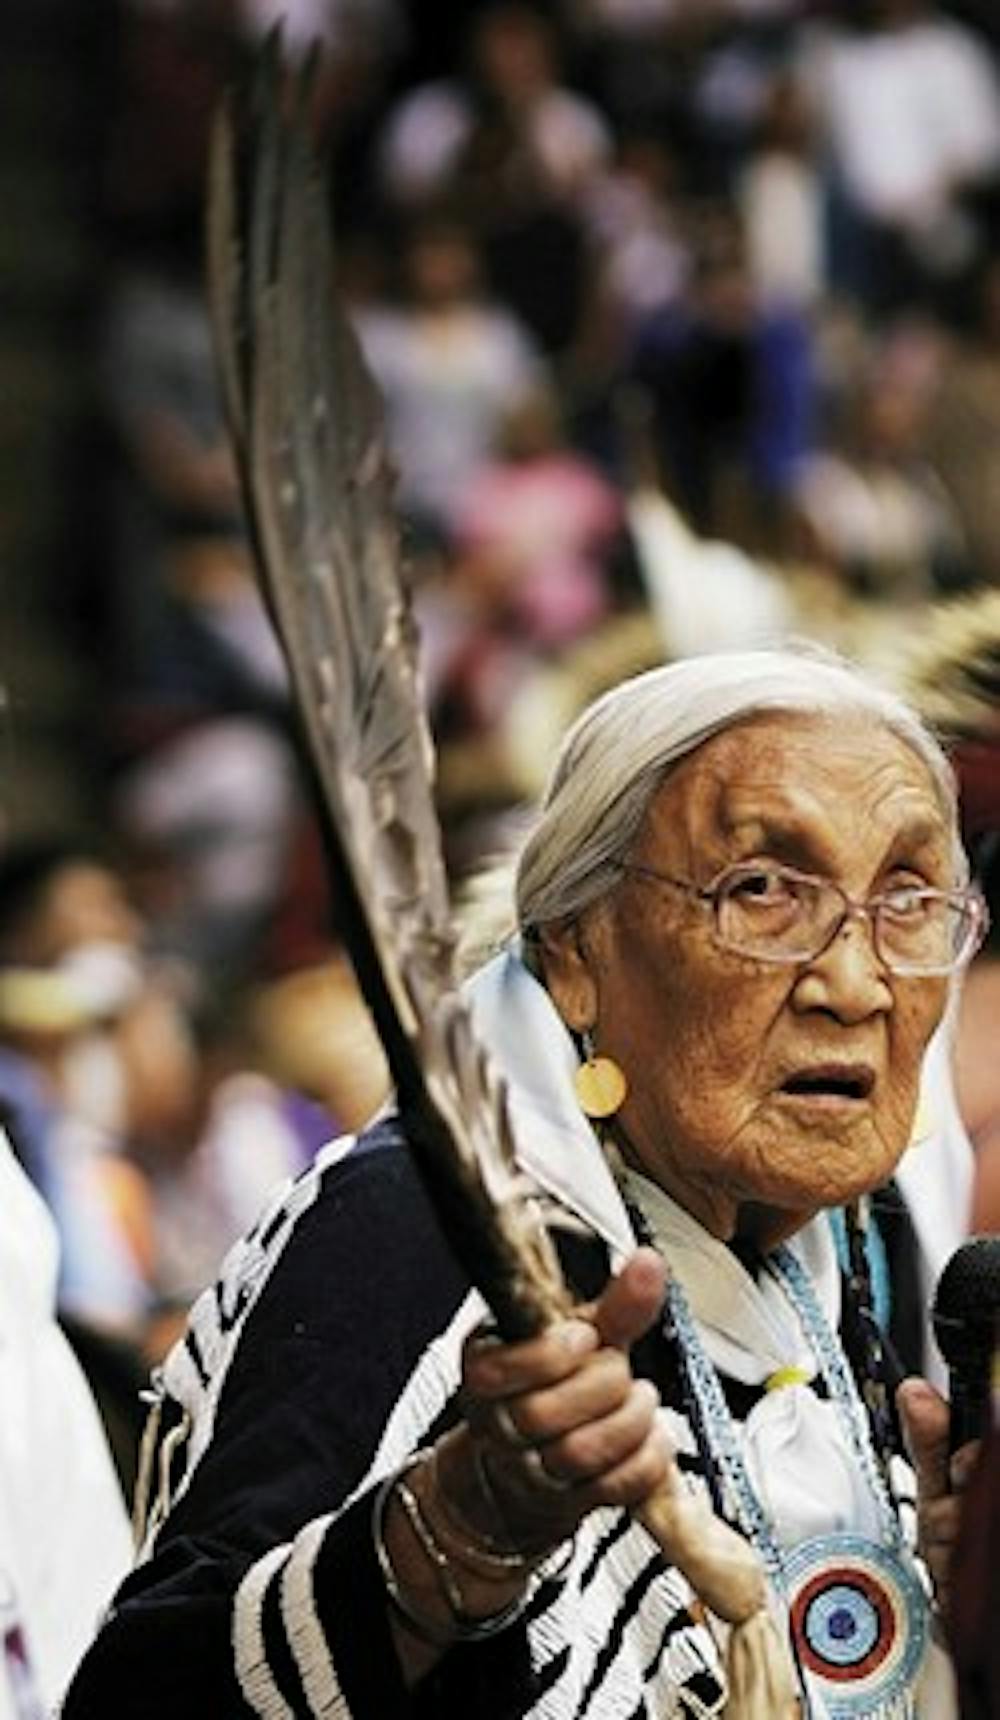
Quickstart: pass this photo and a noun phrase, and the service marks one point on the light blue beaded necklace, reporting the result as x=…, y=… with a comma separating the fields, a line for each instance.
x=856, y=1608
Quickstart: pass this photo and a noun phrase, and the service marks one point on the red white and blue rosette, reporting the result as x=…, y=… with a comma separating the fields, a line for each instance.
x=858, y=1616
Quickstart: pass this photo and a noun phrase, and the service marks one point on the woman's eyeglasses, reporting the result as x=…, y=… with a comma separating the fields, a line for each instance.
x=774, y=914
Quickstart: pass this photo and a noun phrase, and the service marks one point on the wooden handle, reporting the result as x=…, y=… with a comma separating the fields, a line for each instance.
x=722, y=1568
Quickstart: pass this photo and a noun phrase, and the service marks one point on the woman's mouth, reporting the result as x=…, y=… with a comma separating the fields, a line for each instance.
x=830, y=1084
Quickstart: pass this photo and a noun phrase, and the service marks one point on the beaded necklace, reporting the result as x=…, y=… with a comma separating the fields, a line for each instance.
x=740, y=1499
x=857, y=1610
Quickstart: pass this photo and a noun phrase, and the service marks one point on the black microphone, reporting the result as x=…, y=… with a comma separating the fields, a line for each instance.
x=966, y=1320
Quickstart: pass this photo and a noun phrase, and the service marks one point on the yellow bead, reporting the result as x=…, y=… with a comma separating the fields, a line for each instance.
x=787, y=1377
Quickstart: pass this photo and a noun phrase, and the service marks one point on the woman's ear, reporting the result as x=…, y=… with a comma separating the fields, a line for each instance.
x=568, y=974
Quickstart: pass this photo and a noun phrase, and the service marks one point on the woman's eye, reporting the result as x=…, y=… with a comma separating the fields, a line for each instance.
x=907, y=888
x=906, y=901
x=763, y=887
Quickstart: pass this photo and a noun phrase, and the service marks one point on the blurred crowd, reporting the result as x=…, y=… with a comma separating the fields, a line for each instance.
x=686, y=316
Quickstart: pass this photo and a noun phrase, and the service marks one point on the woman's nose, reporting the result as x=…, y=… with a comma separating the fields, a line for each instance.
x=847, y=978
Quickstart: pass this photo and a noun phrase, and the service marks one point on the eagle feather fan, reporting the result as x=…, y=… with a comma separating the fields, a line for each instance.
x=306, y=423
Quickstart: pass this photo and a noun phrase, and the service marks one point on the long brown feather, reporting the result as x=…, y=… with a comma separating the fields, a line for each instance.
x=307, y=426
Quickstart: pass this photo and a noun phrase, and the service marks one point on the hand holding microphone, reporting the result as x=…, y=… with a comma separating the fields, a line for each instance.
x=967, y=1324
x=941, y=1436
x=965, y=1317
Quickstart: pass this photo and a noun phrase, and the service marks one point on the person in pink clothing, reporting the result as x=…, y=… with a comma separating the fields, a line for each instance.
x=540, y=523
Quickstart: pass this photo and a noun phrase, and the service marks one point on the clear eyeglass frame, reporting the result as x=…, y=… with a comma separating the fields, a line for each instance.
x=813, y=931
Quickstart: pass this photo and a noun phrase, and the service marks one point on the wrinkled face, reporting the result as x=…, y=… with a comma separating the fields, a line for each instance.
x=750, y=1085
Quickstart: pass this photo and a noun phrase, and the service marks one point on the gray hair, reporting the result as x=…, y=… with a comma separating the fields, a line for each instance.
x=617, y=753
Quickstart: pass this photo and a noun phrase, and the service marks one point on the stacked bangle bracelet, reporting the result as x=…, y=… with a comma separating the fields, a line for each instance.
x=447, y=1551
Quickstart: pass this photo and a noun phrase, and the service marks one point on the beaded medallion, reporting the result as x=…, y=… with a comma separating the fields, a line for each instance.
x=858, y=1619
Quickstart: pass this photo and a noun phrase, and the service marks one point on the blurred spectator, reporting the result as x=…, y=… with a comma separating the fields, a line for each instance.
x=450, y=363
x=910, y=104
x=541, y=525
x=739, y=53
x=636, y=59
x=174, y=60
x=64, y=1534
x=206, y=785
x=731, y=386
x=513, y=151
x=140, y=1107
x=780, y=196
x=209, y=815
x=173, y=469
x=962, y=432
x=977, y=1082
x=538, y=562
x=196, y=719
x=90, y=1045
x=530, y=566
x=316, y=1039
x=219, y=1160
x=640, y=248
x=537, y=126
x=695, y=72
x=872, y=509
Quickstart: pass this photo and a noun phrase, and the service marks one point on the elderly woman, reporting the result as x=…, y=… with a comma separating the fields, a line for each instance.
x=738, y=915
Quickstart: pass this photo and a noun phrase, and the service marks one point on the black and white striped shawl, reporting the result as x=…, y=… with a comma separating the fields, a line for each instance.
x=326, y=1353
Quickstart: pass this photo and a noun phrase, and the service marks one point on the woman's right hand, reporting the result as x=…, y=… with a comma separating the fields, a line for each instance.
x=557, y=1425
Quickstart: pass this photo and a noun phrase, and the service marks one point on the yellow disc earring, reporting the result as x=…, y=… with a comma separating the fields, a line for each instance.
x=599, y=1082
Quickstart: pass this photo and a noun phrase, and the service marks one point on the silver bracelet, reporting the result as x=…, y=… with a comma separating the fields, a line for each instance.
x=428, y=1630
x=488, y=1559
x=461, y=1627
x=476, y=1551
